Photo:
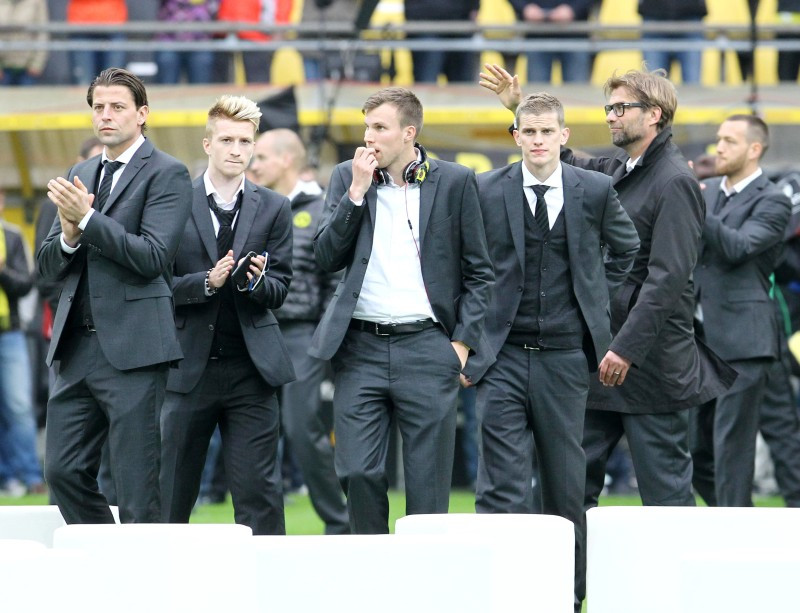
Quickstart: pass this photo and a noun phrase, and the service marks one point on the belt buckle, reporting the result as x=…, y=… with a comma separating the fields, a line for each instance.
x=531, y=348
x=377, y=330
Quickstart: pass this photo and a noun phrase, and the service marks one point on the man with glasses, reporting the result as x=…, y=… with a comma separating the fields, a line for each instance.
x=654, y=370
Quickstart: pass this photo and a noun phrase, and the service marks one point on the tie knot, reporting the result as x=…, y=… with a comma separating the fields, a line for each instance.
x=111, y=167
x=540, y=190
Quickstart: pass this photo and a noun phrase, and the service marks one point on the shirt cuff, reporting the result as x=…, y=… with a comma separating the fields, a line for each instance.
x=66, y=248
x=85, y=220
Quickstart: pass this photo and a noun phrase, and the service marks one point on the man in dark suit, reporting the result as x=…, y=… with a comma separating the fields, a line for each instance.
x=278, y=160
x=120, y=218
x=235, y=355
x=549, y=326
x=654, y=370
x=746, y=217
x=408, y=232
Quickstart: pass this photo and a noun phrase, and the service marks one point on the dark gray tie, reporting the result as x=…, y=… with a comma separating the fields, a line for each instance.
x=722, y=200
x=540, y=214
x=105, y=185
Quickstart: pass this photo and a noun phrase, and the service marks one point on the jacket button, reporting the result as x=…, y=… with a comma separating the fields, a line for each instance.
x=355, y=294
x=364, y=260
x=69, y=298
x=211, y=327
x=519, y=288
x=508, y=323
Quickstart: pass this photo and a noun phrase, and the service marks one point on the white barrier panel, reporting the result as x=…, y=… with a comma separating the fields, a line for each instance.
x=536, y=560
x=166, y=567
x=35, y=578
x=687, y=560
x=33, y=523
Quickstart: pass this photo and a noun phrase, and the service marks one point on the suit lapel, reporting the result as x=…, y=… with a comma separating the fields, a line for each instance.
x=132, y=168
x=573, y=212
x=515, y=201
x=247, y=214
x=89, y=174
x=202, y=219
x=427, y=193
x=743, y=198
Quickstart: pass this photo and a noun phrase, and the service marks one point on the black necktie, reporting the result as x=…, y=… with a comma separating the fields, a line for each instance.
x=225, y=219
x=540, y=214
x=722, y=200
x=105, y=185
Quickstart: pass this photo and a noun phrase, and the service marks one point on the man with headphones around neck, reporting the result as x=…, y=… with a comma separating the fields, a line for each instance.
x=409, y=234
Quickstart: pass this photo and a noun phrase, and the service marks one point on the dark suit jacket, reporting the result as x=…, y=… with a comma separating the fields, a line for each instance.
x=455, y=263
x=739, y=251
x=652, y=314
x=264, y=224
x=593, y=218
x=128, y=252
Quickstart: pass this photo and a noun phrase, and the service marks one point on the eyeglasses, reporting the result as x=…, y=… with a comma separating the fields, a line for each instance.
x=619, y=107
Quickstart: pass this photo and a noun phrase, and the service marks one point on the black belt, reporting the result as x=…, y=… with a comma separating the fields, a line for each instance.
x=85, y=329
x=391, y=329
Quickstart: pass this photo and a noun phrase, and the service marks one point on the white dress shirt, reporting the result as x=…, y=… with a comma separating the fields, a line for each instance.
x=124, y=157
x=553, y=197
x=225, y=205
x=393, y=290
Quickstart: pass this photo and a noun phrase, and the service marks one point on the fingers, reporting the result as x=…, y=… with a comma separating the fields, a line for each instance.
x=612, y=372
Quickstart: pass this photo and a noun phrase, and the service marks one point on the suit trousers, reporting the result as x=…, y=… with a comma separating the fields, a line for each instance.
x=308, y=431
x=779, y=422
x=535, y=400
x=92, y=401
x=729, y=427
x=233, y=394
x=409, y=378
x=659, y=450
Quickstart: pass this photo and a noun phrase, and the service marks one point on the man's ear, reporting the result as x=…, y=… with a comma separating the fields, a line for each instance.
x=409, y=134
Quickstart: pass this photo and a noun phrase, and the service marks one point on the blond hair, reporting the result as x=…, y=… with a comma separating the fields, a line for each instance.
x=235, y=108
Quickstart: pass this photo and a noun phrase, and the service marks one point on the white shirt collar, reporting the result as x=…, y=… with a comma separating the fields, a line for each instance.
x=126, y=155
x=211, y=190
x=553, y=181
x=741, y=184
x=631, y=163
x=310, y=188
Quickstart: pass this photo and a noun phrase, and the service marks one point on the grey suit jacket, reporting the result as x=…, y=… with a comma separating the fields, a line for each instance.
x=595, y=223
x=128, y=251
x=264, y=223
x=455, y=263
x=739, y=250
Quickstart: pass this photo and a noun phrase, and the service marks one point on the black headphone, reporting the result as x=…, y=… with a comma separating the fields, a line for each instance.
x=415, y=172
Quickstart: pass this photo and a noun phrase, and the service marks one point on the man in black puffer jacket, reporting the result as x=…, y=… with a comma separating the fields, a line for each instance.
x=277, y=162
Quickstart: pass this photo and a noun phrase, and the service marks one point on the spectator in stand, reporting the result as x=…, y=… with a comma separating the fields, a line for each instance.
x=457, y=66
x=576, y=66
x=691, y=11
x=318, y=13
x=196, y=65
x=18, y=460
x=89, y=62
x=788, y=61
x=23, y=67
x=257, y=64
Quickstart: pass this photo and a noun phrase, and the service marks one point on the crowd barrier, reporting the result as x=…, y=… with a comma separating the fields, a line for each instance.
x=659, y=559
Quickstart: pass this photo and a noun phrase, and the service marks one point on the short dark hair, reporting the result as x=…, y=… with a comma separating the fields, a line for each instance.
x=409, y=107
x=125, y=78
x=757, y=130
